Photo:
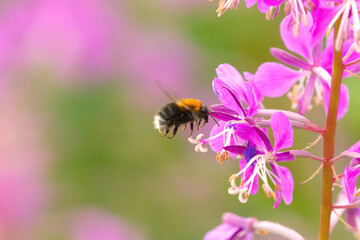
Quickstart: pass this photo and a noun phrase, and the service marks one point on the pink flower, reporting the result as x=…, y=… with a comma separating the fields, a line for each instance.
x=23, y=193
x=235, y=227
x=311, y=77
x=232, y=227
x=93, y=224
x=70, y=38
x=258, y=154
x=159, y=58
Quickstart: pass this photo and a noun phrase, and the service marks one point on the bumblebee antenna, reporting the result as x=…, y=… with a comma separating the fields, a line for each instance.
x=214, y=118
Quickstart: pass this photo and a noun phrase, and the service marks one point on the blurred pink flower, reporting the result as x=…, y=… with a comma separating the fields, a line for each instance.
x=180, y=6
x=93, y=224
x=23, y=161
x=161, y=58
x=75, y=39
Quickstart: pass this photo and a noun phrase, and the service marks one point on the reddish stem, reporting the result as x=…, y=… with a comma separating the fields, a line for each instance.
x=329, y=141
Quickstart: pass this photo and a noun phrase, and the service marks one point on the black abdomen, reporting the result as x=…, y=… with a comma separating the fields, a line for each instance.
x=174, y=115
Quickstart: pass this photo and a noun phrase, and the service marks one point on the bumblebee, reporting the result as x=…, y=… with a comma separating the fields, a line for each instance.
x=181, y=112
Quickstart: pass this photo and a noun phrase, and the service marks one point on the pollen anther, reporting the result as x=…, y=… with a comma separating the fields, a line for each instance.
x=266, y=191
x=262, y=232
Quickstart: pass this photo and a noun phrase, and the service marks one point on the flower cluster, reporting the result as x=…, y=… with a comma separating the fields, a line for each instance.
x=322, y=41
x=242, y=133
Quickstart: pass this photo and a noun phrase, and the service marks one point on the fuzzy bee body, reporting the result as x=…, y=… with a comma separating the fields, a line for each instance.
x=179, y=113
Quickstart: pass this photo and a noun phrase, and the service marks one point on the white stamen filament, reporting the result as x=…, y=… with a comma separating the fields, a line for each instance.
x=351, y=50
x=323, y=74
x=296, y=11
x=248, y=164
x=241, y=197
x=303, y=18
x=356, y=25
x=199, y=145
x=225, y=5
x=337, y=15
x=230, y=132
x=277, y=229
x=342, y=28
x=318, y=92
x=298, y=91
x=272, y=175
x=260, y=170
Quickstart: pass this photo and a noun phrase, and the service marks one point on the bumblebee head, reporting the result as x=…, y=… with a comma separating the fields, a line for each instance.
x=204, y=113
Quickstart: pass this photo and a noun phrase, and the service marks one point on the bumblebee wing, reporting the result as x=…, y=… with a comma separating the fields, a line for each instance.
x=172, y=98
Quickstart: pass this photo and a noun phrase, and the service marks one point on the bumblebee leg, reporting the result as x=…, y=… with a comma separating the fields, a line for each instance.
x=198, y=124
x=203, y=124
x=184, y=127
x=192, y=128
x=174, y=132
x=166, y=133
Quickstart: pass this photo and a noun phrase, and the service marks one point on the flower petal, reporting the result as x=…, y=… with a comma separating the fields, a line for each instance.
x=273, y=3
x=286, y=184
x=327, y=59
x=305, y=100
x=350, y=177
x=217, y=143
x=235, y=149
x=232, y=78
x=274, y=79
x=284, y=156
x=251, y=78
x=353, y=217
x=247, y=174
x=250, y=99
x=227, y=97
x=250, y=3
x=355, y=148
x=289, y=59
x=263, y=8
x=300, y=44
x=224, y=231
x=283, y=132
x=229, y=75
x=254, y=135
x=322, y=21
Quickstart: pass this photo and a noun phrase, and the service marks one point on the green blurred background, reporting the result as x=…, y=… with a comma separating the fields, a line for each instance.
x=106, y=154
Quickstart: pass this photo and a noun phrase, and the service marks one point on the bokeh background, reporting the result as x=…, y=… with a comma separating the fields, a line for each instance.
x=79, y=158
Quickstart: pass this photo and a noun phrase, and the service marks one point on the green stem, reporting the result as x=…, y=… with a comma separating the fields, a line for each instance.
x=329, y=141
